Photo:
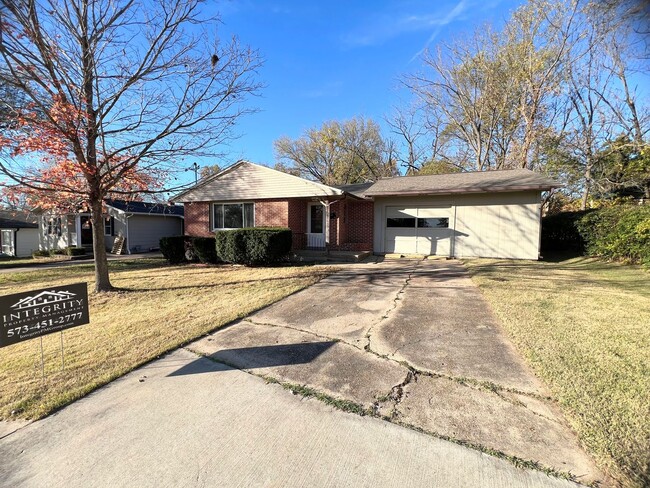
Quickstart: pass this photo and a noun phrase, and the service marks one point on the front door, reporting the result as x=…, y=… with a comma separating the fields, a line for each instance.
x=315, y=226
x=86, y=230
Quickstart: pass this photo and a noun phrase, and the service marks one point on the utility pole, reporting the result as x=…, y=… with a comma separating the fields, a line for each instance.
x=195, y=168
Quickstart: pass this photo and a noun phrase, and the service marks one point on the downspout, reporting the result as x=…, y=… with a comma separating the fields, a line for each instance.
x=77, y=229
x=16, y=242
x=128, y=242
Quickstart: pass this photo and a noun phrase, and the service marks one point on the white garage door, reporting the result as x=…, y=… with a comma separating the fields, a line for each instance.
x=418, y=230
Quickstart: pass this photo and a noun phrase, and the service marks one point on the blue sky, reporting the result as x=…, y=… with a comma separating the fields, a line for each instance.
x=337, y=59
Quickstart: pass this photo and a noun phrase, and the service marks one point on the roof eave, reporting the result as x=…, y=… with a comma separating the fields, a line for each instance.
x=451, y=191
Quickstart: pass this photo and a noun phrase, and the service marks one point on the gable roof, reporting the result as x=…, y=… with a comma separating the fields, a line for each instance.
x=475, y=182
x=248, y=181
x=146, y=208
x=357, y=189
x=15, y=219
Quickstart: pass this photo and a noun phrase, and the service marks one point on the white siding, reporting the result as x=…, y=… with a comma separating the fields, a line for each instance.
x=26, y=242
x=145, y=231
x=248, y=181
x=68, y=233
x=504, y=225
x=119, y=227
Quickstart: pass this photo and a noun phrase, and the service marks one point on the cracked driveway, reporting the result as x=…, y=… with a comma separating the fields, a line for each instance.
x=413, y=342
x=410, y=342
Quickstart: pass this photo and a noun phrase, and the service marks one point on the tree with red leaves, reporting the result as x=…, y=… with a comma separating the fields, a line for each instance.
x=112, y=95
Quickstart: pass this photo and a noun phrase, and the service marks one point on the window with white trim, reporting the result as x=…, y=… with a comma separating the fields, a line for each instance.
x=233, y=215
x=109, y=226
x=53, y=227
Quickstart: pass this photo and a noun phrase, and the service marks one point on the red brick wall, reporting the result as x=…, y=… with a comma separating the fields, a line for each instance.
x=197, y=219
x=272, y=213
x=351, y=230
x=298, y=222
x=360, y=218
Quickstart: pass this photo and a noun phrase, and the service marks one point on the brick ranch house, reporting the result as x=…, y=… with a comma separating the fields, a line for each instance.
x=481, y=214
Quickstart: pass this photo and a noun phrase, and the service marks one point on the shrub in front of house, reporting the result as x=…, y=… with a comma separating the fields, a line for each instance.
x=173, y=249
x=43, y=253
x=619, y=232
x=253, y=246
x=75, y=251
x=204, y=248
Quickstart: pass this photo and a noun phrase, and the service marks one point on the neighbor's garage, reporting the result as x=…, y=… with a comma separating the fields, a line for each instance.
x=492, y=214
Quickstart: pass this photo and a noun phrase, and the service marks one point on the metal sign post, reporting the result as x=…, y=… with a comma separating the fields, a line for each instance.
x=62, y=356
x=42, y=362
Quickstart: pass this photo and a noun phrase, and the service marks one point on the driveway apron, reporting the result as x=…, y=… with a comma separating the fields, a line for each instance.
x=412, y=341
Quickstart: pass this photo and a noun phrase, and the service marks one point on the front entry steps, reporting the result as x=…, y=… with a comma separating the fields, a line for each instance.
x=118, y=245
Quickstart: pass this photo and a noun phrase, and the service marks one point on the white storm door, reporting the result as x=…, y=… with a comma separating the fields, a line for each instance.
x=315, y=226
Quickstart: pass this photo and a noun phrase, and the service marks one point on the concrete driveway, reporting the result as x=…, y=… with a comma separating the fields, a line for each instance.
x=411, y=342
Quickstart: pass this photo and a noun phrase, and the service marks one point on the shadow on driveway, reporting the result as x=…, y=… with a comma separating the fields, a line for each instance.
x=260, y=357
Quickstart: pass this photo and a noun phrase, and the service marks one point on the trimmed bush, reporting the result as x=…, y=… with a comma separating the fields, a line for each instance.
x=560, y=233
x=231, y=246
x=253, y=246
x=75, y=251
x=173, y=249
x=620, y=232
x=204, y=248
x=41, y=254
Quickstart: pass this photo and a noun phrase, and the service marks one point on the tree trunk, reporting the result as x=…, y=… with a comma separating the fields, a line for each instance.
x=585, y=192
x=102, y=281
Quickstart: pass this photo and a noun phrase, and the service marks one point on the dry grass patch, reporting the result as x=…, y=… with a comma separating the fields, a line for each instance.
x=11, y=262
x=583, y=325
x=160, y=308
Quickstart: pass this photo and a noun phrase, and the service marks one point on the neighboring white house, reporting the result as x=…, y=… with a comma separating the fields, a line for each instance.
x=18, y=233
x=140, y=224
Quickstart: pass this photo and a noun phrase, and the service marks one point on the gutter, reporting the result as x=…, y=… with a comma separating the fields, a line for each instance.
x=456, y=191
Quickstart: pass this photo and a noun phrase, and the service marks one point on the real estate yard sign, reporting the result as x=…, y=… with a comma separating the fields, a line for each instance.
x=35, y=313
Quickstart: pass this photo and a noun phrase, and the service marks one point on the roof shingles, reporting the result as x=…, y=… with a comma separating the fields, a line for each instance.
x=476, y=182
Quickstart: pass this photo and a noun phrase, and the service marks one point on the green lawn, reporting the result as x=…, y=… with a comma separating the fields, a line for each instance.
x=584, y=327
x=159, y=308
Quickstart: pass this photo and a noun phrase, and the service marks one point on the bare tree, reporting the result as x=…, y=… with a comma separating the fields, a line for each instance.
x=408, y=125
x=346, y=152
x=117, y=89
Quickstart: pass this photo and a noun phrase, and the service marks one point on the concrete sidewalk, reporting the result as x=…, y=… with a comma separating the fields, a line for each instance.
x=35, y=266
x=184, y=420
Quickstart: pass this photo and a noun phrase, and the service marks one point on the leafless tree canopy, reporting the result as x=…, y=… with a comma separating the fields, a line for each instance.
x=549, y=91
x=122, y=86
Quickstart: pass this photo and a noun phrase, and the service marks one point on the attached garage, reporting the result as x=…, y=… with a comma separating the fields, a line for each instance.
x=487, y=214
x=418, y=230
